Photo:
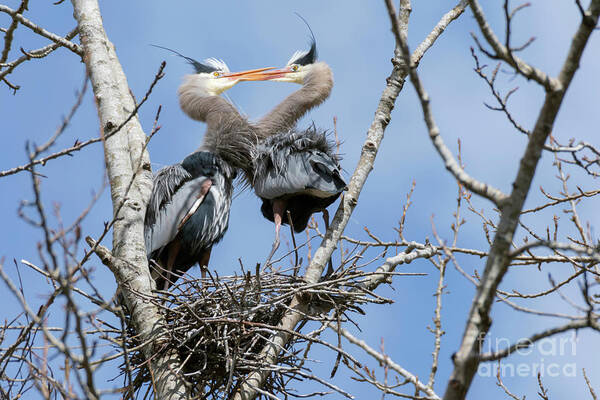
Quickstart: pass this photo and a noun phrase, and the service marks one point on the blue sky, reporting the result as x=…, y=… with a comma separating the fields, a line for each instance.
x=354, y=38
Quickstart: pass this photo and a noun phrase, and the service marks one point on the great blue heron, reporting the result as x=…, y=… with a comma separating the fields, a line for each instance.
x=296, y=171
x=189, y=207
x=291, y=170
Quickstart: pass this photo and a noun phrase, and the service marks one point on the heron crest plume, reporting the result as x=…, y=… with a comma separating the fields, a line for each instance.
x=206, y=67
x=305, y=57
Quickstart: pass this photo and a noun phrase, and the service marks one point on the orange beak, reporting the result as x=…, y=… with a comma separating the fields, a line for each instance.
x=265, y=76
x=242, y=74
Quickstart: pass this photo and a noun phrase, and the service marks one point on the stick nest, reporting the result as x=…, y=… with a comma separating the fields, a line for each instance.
x=220, y=326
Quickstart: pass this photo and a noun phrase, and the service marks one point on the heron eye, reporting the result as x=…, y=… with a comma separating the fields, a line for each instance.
x=216, y=74
x=294, y=68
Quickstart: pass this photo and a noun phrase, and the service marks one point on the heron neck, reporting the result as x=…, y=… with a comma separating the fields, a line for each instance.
x=203, y=107
x=316, y=88
x=228, y=134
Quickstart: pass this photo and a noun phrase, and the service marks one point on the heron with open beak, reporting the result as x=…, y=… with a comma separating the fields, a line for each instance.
x=295, y=171
x=188, y=211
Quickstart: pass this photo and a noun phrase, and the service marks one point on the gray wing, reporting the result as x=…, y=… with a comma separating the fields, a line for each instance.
x=165, y=183
x=310, y=172
x=168, y=218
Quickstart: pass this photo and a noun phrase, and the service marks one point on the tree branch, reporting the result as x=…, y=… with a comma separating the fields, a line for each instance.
x=523, y=344
x=103, y=137
x=38, y=53
x=437, y=31
x=75, y=48
x=450, y=162
x=299, y=307
x=385, y=360
x=8, y=35
x=588, y=251
x=505, y=54
x=466, y=359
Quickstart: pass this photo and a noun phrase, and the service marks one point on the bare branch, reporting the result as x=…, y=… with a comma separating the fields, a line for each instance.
x=592, y=253
x=450, y=163
x=589, y=385
x=384, y=359
x=80, y=145
x=466, y=359
x=381, y=274
x=8, y=35
x=525, y=343
x=505, y=54
x=75, y=48
x=38, y=53
x=437, y=31
x=298, y=307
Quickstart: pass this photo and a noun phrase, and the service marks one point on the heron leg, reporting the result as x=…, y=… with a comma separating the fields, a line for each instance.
x=278, y=210
x=204, y=259
x=326, y=220
x=205, y=187
x=174, y=248
x=296, y=265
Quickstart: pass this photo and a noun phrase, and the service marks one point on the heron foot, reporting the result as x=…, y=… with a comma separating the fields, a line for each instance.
x=204, y=260
x=273, y=250
x=278, y=210
x=329, y=264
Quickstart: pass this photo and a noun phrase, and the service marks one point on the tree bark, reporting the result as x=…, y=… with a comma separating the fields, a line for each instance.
x=129, y=173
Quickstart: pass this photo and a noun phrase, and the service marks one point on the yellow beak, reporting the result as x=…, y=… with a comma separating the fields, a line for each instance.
x=242, y=74
x=265, y=76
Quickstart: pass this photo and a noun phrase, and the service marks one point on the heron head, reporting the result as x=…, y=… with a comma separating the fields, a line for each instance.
x=215, y=77
x=212, y=75
x=297, y=68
